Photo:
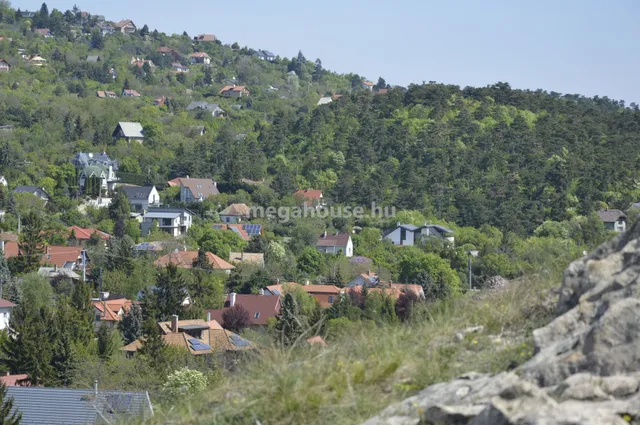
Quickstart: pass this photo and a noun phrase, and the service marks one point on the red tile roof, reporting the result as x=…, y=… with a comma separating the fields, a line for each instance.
x=85, y=233
x=243, y=233
x=113, y=307
x=199, y=55
x=55, y=255
x=206, y=37
x=12, y=380
x=184, y=259
x=266, y=305
x=233, y=88
x=321, y=289
x=310, y=194
x=368, y=83
x=6, y=304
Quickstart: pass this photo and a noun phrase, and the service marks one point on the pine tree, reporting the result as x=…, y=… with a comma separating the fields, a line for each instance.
x=106, y=342
x=78, y=128
x=80, y=316
x=154, y=349
x=288, y=326
x=6, y=405
x=68, y=127
x=64, y=361
x=208, y=76
x=31, y=242
x=169, y=293
x=5, y=274
x=131, y=325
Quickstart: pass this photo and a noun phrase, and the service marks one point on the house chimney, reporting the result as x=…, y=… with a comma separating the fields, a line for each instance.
x=55, y=267
x=232, y=299
x=324, y=235
x=278, y=281
x=215, y=184
x=95, y=388
x=208, y=316
x=187, y=175
x=306, y=282
x=174, y=323
x=261, y=292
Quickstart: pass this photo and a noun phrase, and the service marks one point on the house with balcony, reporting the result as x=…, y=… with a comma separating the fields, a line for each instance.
x=175, y=221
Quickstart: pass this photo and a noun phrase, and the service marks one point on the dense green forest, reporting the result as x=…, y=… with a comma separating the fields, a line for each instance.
x=517, y=175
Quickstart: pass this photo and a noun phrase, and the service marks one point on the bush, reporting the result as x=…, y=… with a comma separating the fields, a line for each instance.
x=185, y=382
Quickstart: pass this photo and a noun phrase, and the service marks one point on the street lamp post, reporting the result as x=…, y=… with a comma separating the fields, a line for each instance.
x=471, y=253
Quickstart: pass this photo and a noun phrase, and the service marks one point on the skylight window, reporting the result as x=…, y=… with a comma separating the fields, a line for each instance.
x=256, y=315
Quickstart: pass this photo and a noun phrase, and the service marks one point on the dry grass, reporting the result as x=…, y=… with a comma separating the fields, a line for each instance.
x=370, y=368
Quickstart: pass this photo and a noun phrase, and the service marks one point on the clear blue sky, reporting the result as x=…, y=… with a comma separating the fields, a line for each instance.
x=589, y=47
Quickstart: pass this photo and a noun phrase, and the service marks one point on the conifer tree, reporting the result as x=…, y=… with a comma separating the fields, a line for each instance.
x=6, y=406
x=288, y=326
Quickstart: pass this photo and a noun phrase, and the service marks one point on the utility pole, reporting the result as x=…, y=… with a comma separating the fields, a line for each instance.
x=84, y=266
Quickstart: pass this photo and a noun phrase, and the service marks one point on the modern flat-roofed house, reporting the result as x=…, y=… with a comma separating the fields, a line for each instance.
x=175, y=221
x=614, y=220
x=129, y=131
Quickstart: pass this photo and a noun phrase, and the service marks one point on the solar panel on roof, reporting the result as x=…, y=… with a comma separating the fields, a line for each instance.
x=238, y=341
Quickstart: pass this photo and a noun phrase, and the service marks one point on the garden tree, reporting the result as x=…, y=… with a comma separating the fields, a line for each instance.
x=317, y=72
x=169, y=293
x=413, y=261
x=236, y=318
x=404, y=305
x=208, y=76
x=311, y=261
x=120, y=255
x=184, y=382
x=29, y=349
x=81, y=316
x=119, y=211
x=344, y=307
x=235, y=46
x=153, y=348
x=379, y=306
x=8, y=416
x=218, y=242
x=97, y=41
x=36, y=291
x=144, y=31
x=31, y=242
x=131, y=325
x=107, y=342
x=382, y=84
x=206, y=287
x=5, y=274
x=64, y=358
x=288, y=327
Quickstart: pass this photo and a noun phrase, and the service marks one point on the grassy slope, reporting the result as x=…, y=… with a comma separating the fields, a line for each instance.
x=370, y=367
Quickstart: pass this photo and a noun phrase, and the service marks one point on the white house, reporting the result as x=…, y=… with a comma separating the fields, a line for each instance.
x=614, y=220
x=409, y=235
x=335, y=244
x=34, y=190
x=141, y=198
x=5, y=313
x=175, y=221
x=3, y=181
x=106, y=175
x=129, y=131
x=200, y=57
x=364, y=279
x=235, y=213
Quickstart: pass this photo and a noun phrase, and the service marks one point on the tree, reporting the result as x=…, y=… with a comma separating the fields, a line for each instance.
x=311, y=261
x=5, y=274
x=208, y=76
x=107, y=343
x=382, y=84
x=288, y=325
x=185, y=382
x=7, y=417
x=144, y=31
x=154, y=349
x=318, y=71
x=119, y=211
x=404, y=304
x=235, y=46
x=131, y=325
x=81, y=317
x=97, y=41
x=236, y=318
x=169, y=293
x=31, y=242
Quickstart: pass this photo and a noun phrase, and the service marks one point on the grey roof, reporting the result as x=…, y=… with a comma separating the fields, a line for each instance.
x=325, y=100
x=268, y=53
x=65, y=406
x=203, y=105
x=439, y=228
x=93, y=58
x=409, y=227
x=611, y=216
x=161, y=214
x=137, y=192
x=53, y=272
x=131, y=129
x=30, y=189
x=170, y=210
x=83, y=159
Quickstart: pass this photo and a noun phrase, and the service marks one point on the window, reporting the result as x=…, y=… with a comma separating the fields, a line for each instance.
x=330, y=299
x=256, y=315
x=403, y=235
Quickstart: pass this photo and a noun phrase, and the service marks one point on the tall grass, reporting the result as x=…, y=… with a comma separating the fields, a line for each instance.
x=366, y=369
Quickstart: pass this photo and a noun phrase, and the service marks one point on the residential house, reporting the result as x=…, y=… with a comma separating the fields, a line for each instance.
x=247, y=258
x=184, y=260
x=100, y=18
x=213, y=108
x=392, y=290
x=106, y=94
x=196, y=190
x=141, y=198
x=310, y=198
x=260, y=307
x=235, y=213
x=325, y=100
x=126, y=26
x=197, y=337
x=34, y=190
x=5, y=313
x=234, y=91
x=335, y=244
x=264, y=55
x=129, y=131
x=19, y=380
x=140, y=63
x=8, y=127
x=110, y=309
x=107, y=28
x=200, y=57
x=205, y=37
x=68, y=257
x=35, y=60
x=164, y=50
x=245, y=231
x=4, y=66
x=160, y=101
x=197, y=130
x=364, y=279
x=79, y=236
x=175, y=221
x=409, y=235
x=326, y=295
x=3, y=181
x=95, y=165
x=179, y=68
x=614, y=220
x=55, y=274
x=130, y=93
x=28, y=15
x=43, y=32
x=368, y=85
x=46, y=405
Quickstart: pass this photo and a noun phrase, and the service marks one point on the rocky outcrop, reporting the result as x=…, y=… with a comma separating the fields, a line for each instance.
x=586, y=369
